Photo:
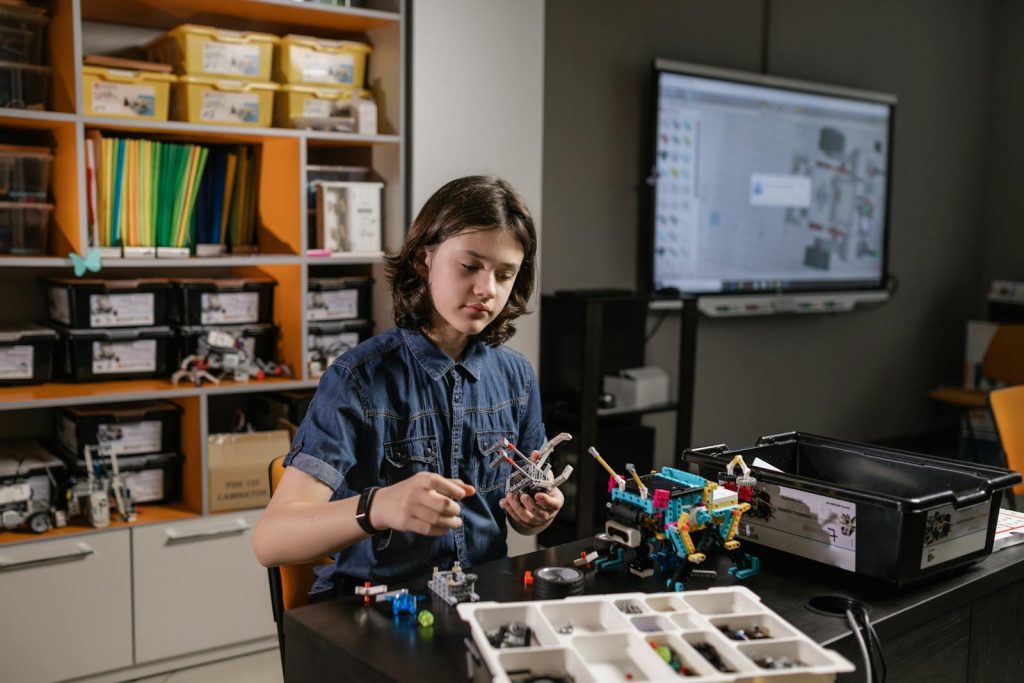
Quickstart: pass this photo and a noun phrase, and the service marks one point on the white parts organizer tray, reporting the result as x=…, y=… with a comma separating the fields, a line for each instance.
x=597, y=638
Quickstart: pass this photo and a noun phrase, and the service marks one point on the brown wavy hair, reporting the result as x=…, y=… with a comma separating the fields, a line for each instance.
x=479, y=202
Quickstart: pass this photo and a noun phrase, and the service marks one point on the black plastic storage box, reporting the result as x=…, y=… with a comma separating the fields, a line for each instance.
x=96, y=355
x=25, y=460
x=152, y=478
x=26, y=353
x=328, y=340
x=258, y=340
x=125, y=428
x=879, y=512
x=87, y=304
x=338, y=298
x=287, y=406
x=213, y=301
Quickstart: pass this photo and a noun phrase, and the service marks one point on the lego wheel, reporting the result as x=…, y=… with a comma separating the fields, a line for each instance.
x=39, y=523
x=603, y=543
x=557, y=582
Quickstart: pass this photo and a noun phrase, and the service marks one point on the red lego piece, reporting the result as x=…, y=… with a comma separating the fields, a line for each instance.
x=527, y=578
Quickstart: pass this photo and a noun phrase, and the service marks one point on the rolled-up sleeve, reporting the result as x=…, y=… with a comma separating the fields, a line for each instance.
x=327, y=441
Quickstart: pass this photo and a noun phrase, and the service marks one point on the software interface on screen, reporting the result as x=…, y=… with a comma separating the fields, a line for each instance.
x=762, y=189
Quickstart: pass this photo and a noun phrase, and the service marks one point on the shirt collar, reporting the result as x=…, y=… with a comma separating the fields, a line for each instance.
x=436, y=363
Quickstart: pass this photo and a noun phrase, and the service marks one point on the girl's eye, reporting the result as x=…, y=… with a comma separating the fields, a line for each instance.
x=469, y=267
x=505, y=277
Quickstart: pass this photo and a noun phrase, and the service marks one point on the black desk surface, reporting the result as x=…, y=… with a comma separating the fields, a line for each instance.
x=344, y=640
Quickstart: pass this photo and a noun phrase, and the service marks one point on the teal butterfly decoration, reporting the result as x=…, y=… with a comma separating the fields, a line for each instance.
x=91, y=262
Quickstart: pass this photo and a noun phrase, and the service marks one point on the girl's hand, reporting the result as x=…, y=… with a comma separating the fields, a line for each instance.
x=532, y=513
x=425, y=503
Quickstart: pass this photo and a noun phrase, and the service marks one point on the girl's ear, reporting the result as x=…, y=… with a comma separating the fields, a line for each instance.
x=421, y=261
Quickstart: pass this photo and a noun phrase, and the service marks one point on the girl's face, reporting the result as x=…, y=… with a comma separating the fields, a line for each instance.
x=470, y=278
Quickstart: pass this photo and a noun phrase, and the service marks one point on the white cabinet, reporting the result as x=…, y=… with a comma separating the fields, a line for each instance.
x=66, y=607
x=198, y=586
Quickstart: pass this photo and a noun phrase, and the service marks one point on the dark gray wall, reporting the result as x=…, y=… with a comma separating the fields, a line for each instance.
x=861, y=375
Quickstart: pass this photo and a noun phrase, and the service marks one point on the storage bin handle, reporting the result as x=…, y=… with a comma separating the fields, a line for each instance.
x=82, y=551
x=963, y=500
x=175, y=536
x=770, y=439
x=712, y=451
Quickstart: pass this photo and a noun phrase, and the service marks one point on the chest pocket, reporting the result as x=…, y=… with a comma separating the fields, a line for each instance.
x=406, y=457
x=487, y=478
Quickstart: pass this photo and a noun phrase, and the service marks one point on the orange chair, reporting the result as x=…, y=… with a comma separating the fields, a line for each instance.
x=289, y=583
x=1003, y=363
x=1007, y=407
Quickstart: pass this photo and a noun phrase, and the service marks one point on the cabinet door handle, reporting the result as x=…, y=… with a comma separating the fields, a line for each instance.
x=175, y=536
x=81, y=551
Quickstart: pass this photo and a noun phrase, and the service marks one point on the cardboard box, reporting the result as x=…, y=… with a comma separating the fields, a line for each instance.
x=638, y=387
x=238, y=468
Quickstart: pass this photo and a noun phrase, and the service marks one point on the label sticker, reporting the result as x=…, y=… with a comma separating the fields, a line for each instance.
x=324, y=67
x=225, y=58
x=147, y=486
x=126, y=438
x=951, y=533
x=121, y=310
x=340, y=304
x=230, y=107
x=318, y=108
x=109, y=357
x=16, y=362
x=330, y=346
x=123, y=99
x=240, y=307
x=802, y=523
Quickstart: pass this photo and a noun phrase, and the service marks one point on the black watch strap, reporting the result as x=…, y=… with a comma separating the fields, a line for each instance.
x=363, y=510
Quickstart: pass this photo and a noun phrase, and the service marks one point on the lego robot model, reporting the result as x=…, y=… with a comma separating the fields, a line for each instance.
x=529, y=477
x=674, y=519
x=454, y=586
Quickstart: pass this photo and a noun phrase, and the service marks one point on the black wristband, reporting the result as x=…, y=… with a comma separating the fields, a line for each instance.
x=363, y=510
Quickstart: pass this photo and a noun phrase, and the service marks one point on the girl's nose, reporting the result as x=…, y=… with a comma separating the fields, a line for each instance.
x=485, y=285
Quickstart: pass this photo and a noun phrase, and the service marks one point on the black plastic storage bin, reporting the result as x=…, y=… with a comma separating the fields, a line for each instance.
x=259, y=340
x=96, y=355
x=87, y=304
x=338, y=298
x=152, y=478
x=26, y=461
x=328, y=340
x=26, y=353
x=288, y=406
x=880, y=512
x=219, y=301
x=123, y=428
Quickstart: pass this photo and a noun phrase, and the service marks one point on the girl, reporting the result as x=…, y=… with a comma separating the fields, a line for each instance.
x=387, y=469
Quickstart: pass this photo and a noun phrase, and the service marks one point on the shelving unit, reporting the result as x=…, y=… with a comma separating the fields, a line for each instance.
x=79, y=27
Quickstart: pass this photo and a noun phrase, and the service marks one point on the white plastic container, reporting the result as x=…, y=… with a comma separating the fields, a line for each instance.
x=349, y=216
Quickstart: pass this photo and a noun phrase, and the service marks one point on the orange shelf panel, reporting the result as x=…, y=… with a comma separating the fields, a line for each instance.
x=61, y=56
x=148, y=514
x=191, y=452
x=280, y=197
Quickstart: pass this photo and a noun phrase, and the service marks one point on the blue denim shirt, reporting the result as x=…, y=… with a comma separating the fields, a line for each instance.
x=396, y=405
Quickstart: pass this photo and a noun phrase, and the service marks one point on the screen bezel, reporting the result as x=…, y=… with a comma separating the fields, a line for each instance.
x=645, y=253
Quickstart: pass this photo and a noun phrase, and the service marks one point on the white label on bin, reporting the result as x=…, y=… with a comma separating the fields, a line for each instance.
x=123, y=99
x=232, y=307
x=339, y=304
x=16, y=362
x=225, y=58
x=146, y=486
x=127, y=438
x=317, y=108
x=329, y=346
x=324, y=67
x=121, y=310
x=110, y=357
x=230, y=107
x=60, y=305
x=951, y=533
x=802, y=523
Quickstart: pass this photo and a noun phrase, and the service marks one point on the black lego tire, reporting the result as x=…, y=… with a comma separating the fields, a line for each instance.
x=604, y=544
x=551, y=583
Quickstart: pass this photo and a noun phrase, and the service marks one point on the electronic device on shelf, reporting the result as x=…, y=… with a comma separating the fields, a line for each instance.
x=761, y=185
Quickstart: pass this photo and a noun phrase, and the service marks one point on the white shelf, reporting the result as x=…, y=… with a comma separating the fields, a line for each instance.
x=36, y=115
x=236, y=133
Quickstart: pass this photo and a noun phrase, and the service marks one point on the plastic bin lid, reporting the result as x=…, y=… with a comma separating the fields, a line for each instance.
x=110, y=284
x=25, y=151
x=337, y=326
x=28, y=67
x=139, y=409
x=310, y=41
x=248, y=330
x=24, y=13
x=320, y=283
x=115, y=333
x=223, y=283
x=26, y=205
x=129, y=75
x=218, y=33
x=135, y=461
x=228, y=84
x=11, y=332
x=327, y=93
x=23, y=456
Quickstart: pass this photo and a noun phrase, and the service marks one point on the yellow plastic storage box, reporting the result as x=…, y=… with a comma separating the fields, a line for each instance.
x=303, y=101
x=215, y=101
x=126, y=94
x=304, y=60
x=207, y=51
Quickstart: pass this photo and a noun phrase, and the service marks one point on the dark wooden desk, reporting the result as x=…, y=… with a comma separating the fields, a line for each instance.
x=966, y=626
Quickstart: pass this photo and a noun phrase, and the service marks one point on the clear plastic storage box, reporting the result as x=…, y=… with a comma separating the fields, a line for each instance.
x=24, y=227
x=22, y=28
x=24, y=172
x=24, y=86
